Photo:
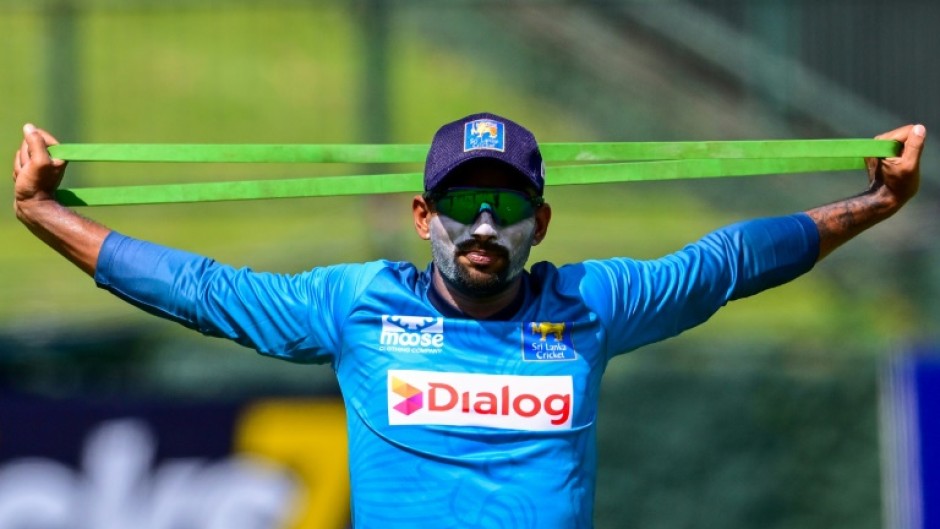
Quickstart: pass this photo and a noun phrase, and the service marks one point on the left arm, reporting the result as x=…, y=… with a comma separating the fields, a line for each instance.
x=892, y=182
x=641, y=302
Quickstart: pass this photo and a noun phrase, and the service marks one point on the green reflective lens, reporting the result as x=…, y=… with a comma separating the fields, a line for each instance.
x=506, y=205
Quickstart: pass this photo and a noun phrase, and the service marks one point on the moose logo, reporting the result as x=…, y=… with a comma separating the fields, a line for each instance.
x=547, y=341
x=412, y=334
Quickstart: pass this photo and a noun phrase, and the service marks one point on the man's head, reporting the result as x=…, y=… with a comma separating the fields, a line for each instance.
x=482, y=208
x=485, y=136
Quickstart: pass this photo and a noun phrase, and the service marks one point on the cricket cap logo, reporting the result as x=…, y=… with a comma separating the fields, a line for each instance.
x=486, y=134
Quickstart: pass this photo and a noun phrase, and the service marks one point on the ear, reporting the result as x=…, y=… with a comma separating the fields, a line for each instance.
x=422, y=215
x=543, y=216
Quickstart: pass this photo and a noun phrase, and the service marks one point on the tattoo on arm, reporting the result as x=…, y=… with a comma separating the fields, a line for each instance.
x=841, y=221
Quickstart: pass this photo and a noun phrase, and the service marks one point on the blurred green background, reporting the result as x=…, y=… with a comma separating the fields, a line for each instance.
x=766, y=416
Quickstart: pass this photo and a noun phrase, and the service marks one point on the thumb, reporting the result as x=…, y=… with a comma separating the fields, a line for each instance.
x=40, y=150
x=36, y=142
x=914, y=145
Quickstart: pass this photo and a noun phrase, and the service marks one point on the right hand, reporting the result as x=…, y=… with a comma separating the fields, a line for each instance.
x=36, y=175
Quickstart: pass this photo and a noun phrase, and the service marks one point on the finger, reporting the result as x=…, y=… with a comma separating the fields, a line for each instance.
x=48, y=138
x=51, y=140
x=20, y=159
x=23, y=153
x=898, y=134
x=36, y=143
x=872, y=165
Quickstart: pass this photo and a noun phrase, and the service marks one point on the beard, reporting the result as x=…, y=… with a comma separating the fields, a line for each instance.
x=513, y=244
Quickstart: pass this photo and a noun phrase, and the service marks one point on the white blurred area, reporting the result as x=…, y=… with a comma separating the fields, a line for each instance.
x=118, y=487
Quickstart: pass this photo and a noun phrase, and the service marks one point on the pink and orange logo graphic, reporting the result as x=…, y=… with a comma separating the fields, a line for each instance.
x=414, y=398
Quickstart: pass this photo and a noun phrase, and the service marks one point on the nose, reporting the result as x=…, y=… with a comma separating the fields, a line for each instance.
x=483, y=226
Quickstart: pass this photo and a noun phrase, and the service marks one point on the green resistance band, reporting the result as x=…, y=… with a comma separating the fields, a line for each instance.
x=593, y=163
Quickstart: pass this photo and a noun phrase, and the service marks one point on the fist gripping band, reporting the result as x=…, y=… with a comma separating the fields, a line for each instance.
x=588, y=163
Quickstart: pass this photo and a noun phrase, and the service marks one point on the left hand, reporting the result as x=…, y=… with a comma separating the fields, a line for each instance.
x=897, y=179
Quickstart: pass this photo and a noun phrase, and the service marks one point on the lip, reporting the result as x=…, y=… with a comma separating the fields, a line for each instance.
x=482, y=257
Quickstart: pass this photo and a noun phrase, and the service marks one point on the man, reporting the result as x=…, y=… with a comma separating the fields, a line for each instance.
x=471, y=386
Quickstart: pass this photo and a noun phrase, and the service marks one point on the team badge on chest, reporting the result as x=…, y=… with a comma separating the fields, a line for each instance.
x=544, y=341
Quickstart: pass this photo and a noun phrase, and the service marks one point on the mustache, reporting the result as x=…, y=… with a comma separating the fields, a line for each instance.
x=490, y=247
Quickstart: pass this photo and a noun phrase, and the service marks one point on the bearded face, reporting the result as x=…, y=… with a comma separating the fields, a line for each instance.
x=483, y=258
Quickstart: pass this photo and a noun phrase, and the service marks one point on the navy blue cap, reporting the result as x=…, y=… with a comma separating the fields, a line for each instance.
x=484, y=136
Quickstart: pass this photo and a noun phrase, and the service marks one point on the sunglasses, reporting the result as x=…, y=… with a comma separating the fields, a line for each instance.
x=464, y=204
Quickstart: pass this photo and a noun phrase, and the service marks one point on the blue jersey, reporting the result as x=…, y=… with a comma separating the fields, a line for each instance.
x=458, y=422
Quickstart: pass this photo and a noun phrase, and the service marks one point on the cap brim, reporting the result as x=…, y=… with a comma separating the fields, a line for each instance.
x=442, y=181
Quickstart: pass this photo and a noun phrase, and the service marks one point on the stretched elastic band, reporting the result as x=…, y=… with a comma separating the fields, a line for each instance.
x=672, y=161
x=413, y=182
x=551, y=152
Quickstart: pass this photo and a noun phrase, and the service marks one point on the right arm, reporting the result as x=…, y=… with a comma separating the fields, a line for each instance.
x=36, y=176
x=292, y=317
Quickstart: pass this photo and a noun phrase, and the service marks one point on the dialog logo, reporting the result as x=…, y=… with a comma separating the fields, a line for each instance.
x=544, y=341
x=414, y=397
x=484, y=134
x=412, y=334
x=512, y=402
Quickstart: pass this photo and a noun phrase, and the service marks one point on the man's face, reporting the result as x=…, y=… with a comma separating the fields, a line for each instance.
x=482, y=257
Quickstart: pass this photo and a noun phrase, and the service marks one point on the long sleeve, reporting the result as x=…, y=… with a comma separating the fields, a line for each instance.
x=296, y=317
x=647, y=301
